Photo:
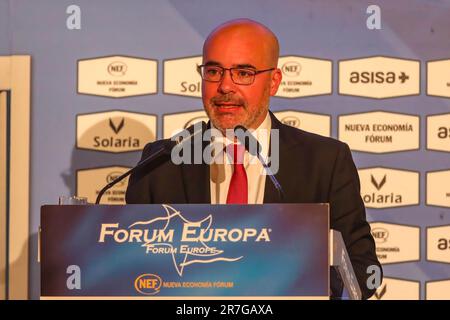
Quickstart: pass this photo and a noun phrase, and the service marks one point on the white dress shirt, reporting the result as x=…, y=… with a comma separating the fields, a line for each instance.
x=221, y=169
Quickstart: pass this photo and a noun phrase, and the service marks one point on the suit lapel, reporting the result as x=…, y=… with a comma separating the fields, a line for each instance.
x=283, y=175
x=196, y=178
x=196, y=183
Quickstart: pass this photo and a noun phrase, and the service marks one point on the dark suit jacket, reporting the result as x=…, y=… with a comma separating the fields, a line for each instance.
x=313, y=169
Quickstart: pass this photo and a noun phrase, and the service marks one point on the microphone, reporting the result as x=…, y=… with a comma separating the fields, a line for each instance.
x=253, y=147
x=164, y=149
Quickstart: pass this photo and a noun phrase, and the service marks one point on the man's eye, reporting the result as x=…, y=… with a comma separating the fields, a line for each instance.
x=244, y=73
x=212, y=71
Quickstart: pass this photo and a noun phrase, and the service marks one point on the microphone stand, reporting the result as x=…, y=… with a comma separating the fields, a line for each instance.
x=158, y=153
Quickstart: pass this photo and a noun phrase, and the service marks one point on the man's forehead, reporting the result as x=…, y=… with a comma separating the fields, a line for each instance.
x=242, y=28
x=241, y=44
x=235, y=52
x=233, y=65
x=238, y=38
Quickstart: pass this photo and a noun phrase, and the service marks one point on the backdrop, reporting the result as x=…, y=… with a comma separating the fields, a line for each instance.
x=108, y=76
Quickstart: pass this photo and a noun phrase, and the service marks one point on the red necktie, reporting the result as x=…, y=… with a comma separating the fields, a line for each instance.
x=238, y=189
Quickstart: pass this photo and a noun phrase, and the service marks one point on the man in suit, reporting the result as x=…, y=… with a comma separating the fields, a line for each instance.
x=240, y=73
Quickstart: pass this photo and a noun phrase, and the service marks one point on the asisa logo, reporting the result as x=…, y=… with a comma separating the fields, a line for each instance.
x=148, y=284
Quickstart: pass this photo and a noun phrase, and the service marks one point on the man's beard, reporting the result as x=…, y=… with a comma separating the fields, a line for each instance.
x=248, y=121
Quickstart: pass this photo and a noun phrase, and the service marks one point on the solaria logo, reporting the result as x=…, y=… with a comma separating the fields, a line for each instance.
x=148, y=284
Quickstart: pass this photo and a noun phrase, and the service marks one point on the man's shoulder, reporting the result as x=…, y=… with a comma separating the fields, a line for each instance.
x=150, y=146
x=289, y=135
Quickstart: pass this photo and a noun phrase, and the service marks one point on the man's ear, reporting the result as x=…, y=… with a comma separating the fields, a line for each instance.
x=277, y=76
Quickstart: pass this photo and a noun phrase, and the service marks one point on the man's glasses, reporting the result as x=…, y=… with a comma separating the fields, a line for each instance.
x=242, y=76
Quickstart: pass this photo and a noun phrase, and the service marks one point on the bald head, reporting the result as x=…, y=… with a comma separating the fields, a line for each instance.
x=235, y=51
x=263, y=39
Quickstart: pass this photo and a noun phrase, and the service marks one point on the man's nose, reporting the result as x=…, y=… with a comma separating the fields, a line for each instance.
x=226, y=85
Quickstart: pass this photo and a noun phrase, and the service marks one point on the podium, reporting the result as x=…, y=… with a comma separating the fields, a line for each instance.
x=191, y=251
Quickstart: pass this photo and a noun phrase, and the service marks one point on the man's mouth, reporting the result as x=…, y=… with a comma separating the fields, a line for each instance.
x=227, y=107
x=227, y=104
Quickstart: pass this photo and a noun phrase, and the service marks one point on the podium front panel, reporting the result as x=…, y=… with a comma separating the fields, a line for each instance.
x=177, y=251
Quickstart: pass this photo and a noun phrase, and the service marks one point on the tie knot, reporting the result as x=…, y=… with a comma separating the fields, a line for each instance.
x=236, y=152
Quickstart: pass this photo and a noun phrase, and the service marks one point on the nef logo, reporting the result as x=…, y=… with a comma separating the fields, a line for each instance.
x=291, y=69
x=148, y=284
x=114, y=175
x=291, y=121
x=380, y=235
x=377, y=77
x=117, y=69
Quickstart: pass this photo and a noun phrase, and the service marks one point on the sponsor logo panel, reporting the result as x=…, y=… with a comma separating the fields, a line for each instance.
x=91, y=181
x=379, y=77
x=115, y=131
x=174, y=123
x=396, y=243
x=438, y=132
x=380, y=132
x=438, y=188
x=396, y=289
x=315, y=123
x=117, y=76
x=438, y=244
x=303, y=77
x=438, y=78
x=437, y=290
x=182, y=78
x=388, y=188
